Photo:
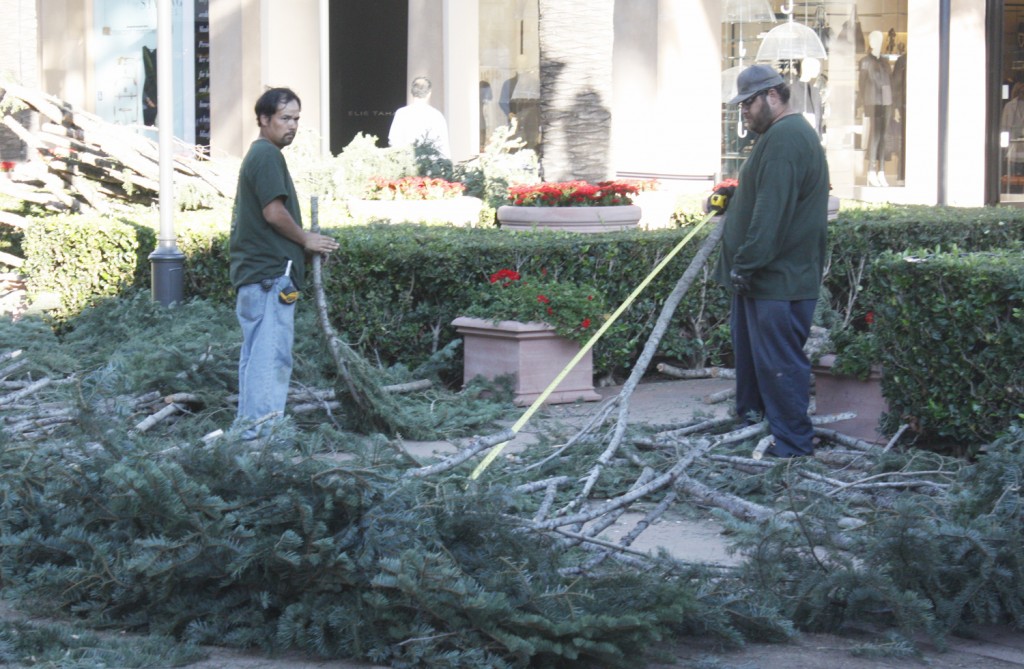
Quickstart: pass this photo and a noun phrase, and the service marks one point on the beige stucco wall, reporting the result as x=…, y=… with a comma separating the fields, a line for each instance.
x=666, y=113
x=426, y=48
x=64, y=29
x=235, y=68
x=444, y=46
x=256, y=44
x=291, y=54
x=666, y=116
x=966, y=150
x=18, y=60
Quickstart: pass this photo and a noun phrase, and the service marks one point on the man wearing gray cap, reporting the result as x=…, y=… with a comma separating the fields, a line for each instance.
x=773, y=255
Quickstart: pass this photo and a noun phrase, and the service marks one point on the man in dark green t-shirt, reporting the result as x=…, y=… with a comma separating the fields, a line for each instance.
x=773, y=256
x=268, y=250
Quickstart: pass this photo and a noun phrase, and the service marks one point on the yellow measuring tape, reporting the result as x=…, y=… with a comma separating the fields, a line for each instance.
x=494, y=452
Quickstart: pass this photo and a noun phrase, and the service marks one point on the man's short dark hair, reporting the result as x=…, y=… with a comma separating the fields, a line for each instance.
x=272, y=100
x=783, y=91
x=420, y=87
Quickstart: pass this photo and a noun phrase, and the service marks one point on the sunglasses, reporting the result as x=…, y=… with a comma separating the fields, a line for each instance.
x=749, y=101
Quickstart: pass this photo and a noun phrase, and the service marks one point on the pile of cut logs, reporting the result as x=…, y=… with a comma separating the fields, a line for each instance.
x=79, y=162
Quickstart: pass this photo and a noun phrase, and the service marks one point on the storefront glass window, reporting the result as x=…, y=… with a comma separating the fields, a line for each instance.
x=509, y=69
x=845, y=63
x=125, y=34
x=1011, y=119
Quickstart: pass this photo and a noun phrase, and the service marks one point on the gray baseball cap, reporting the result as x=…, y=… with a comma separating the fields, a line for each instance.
x=755, y=79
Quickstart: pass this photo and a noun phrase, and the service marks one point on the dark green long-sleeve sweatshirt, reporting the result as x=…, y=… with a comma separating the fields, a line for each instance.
x=776, y=226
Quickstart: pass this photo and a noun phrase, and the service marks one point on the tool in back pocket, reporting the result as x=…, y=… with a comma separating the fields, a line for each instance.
x=289, y=293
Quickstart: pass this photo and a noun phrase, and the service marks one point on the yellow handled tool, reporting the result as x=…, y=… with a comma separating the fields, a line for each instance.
x=494, y=452
x=289, y=293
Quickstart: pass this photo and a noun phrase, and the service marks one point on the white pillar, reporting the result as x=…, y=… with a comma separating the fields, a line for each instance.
x=462, y=76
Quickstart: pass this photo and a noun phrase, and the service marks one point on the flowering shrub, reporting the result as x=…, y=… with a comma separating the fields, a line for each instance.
x=576, y=193
x=412, y=188
x=572, y=309
x=856, y=347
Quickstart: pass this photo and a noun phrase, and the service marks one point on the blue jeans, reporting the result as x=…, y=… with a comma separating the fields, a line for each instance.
x=773, y=374
x=265, y=364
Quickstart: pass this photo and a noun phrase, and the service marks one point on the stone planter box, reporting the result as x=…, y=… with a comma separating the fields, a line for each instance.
x=573, y=219
x=834, y=393
x=532, y=352
x=460, y=211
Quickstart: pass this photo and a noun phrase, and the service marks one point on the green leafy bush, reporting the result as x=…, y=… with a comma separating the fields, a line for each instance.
x=78, y=259
x=394, y=289
x=574, y=309
x=397, y=288
x=950, y=329
x=362, y=160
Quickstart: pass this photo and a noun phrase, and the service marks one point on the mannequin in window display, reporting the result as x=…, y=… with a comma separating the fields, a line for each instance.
x=1012, y=123
x=805, y=92
x=875, y=95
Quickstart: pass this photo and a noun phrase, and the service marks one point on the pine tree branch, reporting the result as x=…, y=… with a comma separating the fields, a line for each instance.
x=737, y=506
x=26, y=391
x=475, y=446
x=647, y=355
x=699, y=373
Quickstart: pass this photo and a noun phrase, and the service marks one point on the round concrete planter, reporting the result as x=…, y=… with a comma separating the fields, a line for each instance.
x=532, y=352
x=460, y=211
x=573, y=219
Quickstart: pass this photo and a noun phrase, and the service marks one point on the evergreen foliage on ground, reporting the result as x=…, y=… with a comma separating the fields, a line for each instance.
x=320, y=540
x=275, y=548
x=939, y=552
x=314, y=540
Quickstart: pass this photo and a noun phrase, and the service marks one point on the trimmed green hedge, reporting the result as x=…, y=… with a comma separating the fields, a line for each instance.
x=73, y=260
x=396, y=288
x=860, y=235
x=950, y=332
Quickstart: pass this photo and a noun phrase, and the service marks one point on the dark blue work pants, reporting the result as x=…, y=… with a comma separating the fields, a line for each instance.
x=773, y=374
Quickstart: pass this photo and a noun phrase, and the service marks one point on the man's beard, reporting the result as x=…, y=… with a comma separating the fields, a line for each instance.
x=761, y=121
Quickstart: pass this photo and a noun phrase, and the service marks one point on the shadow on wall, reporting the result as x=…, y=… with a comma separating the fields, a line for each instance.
x=576, y=133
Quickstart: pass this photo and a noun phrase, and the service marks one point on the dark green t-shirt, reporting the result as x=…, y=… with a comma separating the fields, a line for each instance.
x=776, y=226
x=257, y=250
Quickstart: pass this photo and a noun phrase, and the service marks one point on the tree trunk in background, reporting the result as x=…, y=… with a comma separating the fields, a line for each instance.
x=576, y=88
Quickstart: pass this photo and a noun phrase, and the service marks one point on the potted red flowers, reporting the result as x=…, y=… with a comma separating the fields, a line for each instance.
x=417, y=200
x=578, y=206
x=531, y=329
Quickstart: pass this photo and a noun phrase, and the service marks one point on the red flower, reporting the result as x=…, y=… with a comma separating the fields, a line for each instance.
x=413, y=188
x=576, y=193
x=869, y=318
x=543, y=299
x=585, y=324
x=505, y=275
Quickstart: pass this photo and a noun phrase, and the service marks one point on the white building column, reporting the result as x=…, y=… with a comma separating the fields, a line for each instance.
x=967, y=93
x=462, y=76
